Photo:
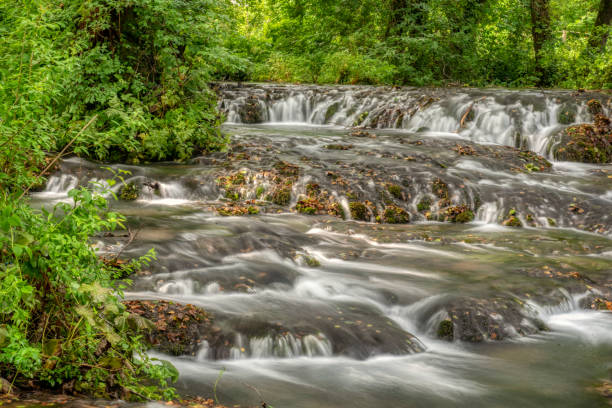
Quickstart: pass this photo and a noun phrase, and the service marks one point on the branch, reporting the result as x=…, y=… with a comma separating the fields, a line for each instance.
x=59, y=155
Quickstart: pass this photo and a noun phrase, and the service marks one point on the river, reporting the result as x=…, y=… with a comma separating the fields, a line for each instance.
x=327, y=297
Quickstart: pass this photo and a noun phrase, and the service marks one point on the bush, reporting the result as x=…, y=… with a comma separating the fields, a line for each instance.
x=61, y=319
x=142, y=66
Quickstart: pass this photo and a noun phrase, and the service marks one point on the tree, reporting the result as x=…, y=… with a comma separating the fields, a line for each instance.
x=541, y=33
x=402, y=12
x=601, y=31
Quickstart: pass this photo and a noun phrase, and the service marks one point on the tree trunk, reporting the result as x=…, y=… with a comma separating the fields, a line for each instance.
x=540, y=30
x=601, y=31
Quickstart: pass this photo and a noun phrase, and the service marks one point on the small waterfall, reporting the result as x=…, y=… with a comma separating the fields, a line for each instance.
x=525, y=119
x=279, y=346
x=61, y=184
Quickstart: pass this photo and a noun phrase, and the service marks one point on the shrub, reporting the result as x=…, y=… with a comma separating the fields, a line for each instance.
x=61, y=319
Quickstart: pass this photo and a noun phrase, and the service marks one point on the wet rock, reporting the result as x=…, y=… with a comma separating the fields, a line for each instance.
x=129, y=192
x=281, y=195
x=586, y=143
x=237, y=210
x=250, y=111
x=446, y=330
x=512, y=219
x=395, y=191
x=396, y=215
x=567, y=113
x=331, y=111
x=594, y=107
x=359, y=211
x=477, y=320
x=176, y=329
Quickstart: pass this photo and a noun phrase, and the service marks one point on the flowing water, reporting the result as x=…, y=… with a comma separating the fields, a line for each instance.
x=321, y=311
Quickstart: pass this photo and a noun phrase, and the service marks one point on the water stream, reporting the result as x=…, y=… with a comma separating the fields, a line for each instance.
x=321, y=311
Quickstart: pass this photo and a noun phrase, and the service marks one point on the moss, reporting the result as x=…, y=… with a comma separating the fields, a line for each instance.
x=232, y=194
x=395, y=190
x=237, y=210
x=567, y=114
x=446, y=330
x=586, y=143
x=465, y=216
x=311, y=261
x=360, y=118
x=424, y=204
x=458, y=213
x=396, y=215
x=338, y=147
x=129, y=192
x=594, y=107
x=287, y=169
x=440, y=189
x=331, y=111
x=359, y=211
x=260, y=191
x=551, y=222
x=337, y=210
x=512, y=220
x=313, y=189
x=281, y=196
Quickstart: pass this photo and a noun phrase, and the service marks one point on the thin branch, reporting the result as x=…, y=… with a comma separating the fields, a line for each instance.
x=60, y=154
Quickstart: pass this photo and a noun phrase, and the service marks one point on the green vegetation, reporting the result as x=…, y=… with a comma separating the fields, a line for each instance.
x=428, y=42
x=61, y=319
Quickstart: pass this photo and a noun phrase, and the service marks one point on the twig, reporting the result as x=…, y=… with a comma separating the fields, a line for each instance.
x=132, y=238
x=264, y=404
x=60, y=154
x=467, y=112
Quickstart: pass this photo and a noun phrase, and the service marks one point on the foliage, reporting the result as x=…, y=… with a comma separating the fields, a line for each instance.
x=61, y=319
x=142, y=66
x=419, y=42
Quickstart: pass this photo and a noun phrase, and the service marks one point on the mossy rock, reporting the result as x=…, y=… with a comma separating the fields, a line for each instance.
x=337, y=210
x=395, y=191
x=594, y=107
x=585, y=143
x=129, y=192
x=238, y=211
x=338, y=147
x=458, y=213
x=281, y=196
x=359, y=211
x=465, y=216
x=313, y=189
x=424, y=204
x=440, y=189
x=287, y=169
x=362, y=116
x=567, y=114
x=446, y=330
x=512, y=219
x=396, y=215
x=232, y=194
x=251, y=111
x=331, y=111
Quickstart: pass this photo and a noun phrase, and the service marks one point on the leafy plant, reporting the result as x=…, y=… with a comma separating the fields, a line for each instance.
x=61, y=317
